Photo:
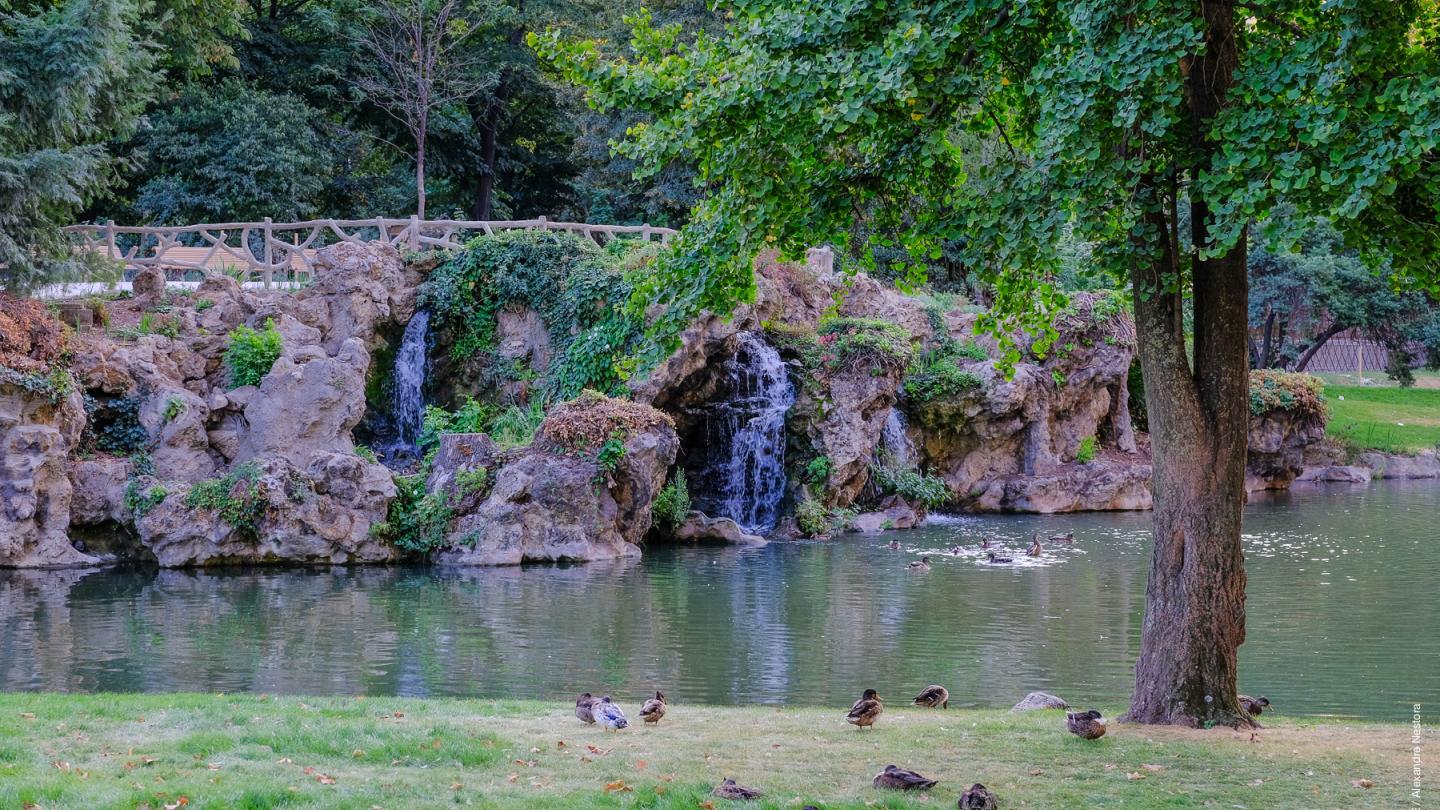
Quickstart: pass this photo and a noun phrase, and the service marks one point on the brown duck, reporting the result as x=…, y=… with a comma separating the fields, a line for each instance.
x=1035, y=550
x=866, y=710
x=1085, y=725
x=729, y=789
x=1063, y=539
x=1254, y=706
x=922, y=564
x=978, y=797
x=585, y=708
x=654, y=708
x=900, y=779
x=933, y=697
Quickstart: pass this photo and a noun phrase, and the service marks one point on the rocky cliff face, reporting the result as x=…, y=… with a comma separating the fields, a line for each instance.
x=38, y=429
x=581, y=491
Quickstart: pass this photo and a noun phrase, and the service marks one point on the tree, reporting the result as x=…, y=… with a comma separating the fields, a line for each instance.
x=72, y=77
x=418, y=63
x=232, y=152
x=1122, y=119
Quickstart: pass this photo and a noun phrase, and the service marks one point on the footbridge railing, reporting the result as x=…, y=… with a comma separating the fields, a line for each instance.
x=271, y=254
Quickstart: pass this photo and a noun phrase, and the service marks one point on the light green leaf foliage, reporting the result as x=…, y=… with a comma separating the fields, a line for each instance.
x=1010, y=129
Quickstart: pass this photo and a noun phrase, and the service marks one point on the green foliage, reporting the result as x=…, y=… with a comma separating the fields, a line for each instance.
x=233, y=152
x=366, y=453
x=516, y=426
x=74, y=75
x=249, y=354
x=672, y=503
x=140, y=499
x=235, y=497
x=1282, y=390
x=575, y=286
x=929, y=490
x=470, y=482
x=1085, y=452
x=814, y=520
x=817, y=472
x=509, y=427
x=417, y=520
x=57, y=383
x=173, y=408
x=610, y=452
x=864, y=343
x=113, y=425
x=203, y=304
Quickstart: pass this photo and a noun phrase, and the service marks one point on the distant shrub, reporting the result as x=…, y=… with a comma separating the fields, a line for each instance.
x=417, y=520
x=1085, y=453
x=857, y=343
x=940, y=380
x=250, y=353
x=1284, y=390
x=929, y=490
x=813, y=519
x=672, y=504
x=235, y=497
x=817, y=472
x=473, y=416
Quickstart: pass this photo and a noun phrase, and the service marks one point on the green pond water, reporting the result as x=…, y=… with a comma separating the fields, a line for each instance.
x=1344, y=586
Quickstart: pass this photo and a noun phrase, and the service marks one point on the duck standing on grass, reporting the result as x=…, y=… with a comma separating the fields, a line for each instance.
x=866, y=710
x=978, y=797
x=923, y=564
x=729, y=789
x=1254, y=706
x=609, y=714
x=900, y=779
x=1085, y=725
x=585, y=708
x=933, y=697
x=654, y=708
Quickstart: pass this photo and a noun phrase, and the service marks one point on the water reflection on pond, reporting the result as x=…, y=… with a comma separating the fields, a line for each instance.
x=1344, y=585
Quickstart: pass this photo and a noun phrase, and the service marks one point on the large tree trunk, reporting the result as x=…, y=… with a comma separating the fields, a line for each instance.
x=486, y=118
x=1195, y=599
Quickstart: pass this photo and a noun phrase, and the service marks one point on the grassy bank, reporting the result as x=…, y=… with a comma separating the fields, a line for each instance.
x=1395, y=420
x=130, y=751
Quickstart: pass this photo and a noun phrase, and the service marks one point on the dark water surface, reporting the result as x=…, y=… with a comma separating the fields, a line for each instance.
x=1343, y=599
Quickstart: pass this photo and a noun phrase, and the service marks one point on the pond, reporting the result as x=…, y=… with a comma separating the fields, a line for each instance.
x=1344, y=585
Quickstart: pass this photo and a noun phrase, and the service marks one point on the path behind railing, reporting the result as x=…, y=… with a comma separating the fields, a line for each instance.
x=271, y=254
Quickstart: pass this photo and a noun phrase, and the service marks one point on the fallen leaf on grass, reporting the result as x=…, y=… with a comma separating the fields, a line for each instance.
x=1036, y=772
x=27, y=715
x=179, y=803
x=1257, y=783
x=456, y=786
x=1110, y=766
x=357, y=754
x=559, y=743
x=707, y=805
x=214, y=766
x=534, y=750
x=325, y=779
x=641, y=764
x=659, y=790
x=618, y=786
x=527, y=763
x=285, y=761
x=1135, y=776
x=1152, y=768
x=599, y=752
x=1362, y=783
x=511, y=777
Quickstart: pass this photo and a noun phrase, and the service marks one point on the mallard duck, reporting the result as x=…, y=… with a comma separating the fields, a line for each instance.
x=993, y=560
x=978, y=797
x=1035, y=550
x=900, y=779
x=894, y=545
x=729, y=789
x=584, y=706
x=932, y=697
x=654, y=708
x=985, y=543
x=1085, y=725
x=1066, y=538
x=956, y=551
x=922, y=564
x=866, y=710
x=1254, y=706
x=609, y=714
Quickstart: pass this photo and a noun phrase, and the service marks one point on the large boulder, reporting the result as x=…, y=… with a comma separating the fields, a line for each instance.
x=699, y=528
x=358, y=289
x=581, y=491
x=99, y=484
x=1287, y=419
x=307, y=405
x=38, y=429
x=1425, y=464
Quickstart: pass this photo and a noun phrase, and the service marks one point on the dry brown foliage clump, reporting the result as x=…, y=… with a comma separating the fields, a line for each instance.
x=31, y=339
x=587, y=421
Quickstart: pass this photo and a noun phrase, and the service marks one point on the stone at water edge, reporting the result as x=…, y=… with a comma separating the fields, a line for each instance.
x=1039, y=700
x=896, y=517
x=700, y=528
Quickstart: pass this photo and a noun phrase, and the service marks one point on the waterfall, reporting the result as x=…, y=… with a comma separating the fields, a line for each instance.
x=412, y=365
x=742, y=476
x=897, y=449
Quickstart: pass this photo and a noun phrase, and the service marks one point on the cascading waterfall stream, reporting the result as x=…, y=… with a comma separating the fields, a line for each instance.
x=743, y=476
x=896, y=448
x=412, y=365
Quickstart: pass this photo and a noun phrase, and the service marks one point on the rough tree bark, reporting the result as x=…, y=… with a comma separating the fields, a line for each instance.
x=1195, y=599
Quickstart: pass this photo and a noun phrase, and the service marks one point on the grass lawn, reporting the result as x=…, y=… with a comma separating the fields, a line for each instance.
x=1397, y=420
x=131, y=751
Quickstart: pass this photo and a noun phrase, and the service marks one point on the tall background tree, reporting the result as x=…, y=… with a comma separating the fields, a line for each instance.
x=1159, y=132
x=73, y=76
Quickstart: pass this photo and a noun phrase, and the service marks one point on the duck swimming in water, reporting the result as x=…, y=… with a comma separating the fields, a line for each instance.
x=1066, y=538
x=922, y=564
x=1035, y=550
x=985, y=543
x=956, y=551
x=993, y=560
x=894, y=545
